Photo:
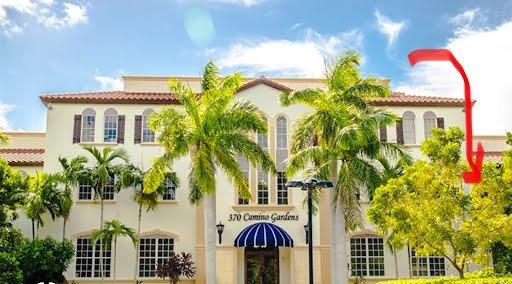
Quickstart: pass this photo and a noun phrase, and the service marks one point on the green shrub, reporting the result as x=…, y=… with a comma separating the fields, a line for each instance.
x=452, y=280
x=11, y=240
x=45, y=260
x=10, y=271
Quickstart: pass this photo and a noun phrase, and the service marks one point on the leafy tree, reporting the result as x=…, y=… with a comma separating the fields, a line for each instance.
x=10, y=271
x=43, y=197
x=72, y=171
x=175, y=266
x=133, y=177
x=428, y=208
x=13, y=188
x=11, y=240
x=45, y=260
x=109, y=233
x=213, y=129
x=339, y=137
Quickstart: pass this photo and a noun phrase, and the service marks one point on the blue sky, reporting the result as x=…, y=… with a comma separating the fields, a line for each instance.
x=63, y=46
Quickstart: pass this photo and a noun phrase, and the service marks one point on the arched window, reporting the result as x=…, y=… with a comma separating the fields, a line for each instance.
x=367, y=256
x=429, y=122
x=262, y=175
x=110, y=134
x=409, y=128
x=147, y=134
x=153, y=251
x=88, y=258
x=281, y=156
x=88, y=124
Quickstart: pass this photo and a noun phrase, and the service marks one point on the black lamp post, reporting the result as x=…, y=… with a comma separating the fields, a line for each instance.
x=220, y=229
x=310, y=185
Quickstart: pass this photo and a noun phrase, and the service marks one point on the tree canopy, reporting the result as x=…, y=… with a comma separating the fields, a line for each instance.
x=13, y=189
x=431, y=210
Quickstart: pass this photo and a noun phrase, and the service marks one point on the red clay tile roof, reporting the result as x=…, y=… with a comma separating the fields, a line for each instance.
x=401, y=99
x=23, y=157
x=121, y=97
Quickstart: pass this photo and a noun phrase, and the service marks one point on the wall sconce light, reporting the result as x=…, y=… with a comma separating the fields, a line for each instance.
x=220, y=229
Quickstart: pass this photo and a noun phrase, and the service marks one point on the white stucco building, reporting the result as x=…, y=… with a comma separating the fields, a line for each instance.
x=118, y=119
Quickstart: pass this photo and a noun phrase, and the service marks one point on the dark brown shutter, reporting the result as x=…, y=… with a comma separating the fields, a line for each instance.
x=399, y=133
x=440, y=122
x=120, y=129
x=138, y=129
x=77, y=128
x=383, y=133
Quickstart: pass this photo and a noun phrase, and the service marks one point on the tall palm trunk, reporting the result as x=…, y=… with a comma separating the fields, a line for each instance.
x=33, y=230
x=210, y=213
x=64, y=221
x=138, y=247
x=101, y=246
x=114, y=266
x=339, y=269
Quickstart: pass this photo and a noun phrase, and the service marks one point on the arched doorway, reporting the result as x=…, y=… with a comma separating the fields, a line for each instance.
x=261, y=256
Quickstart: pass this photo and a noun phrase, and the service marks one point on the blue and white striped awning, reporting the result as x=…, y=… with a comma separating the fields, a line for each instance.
x=263, y=235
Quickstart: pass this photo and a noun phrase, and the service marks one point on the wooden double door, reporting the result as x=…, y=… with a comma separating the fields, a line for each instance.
x=261, y=266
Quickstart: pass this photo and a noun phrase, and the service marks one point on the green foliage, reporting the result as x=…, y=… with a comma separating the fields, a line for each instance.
x=10, y=271
x=110, y=231
x=428, y=209
x=501, y=258
x=451, y=280
x=107, y=161
x=11, y=240
x=45, y=260
x=338, y=139
x=4, y=138
x=13, y=188
x=213, y=129
x=43, y=197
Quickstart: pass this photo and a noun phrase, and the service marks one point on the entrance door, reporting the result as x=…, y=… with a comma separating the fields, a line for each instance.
x=261, y=266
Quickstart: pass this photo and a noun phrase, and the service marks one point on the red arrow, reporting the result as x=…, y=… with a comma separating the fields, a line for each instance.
x=419, y=55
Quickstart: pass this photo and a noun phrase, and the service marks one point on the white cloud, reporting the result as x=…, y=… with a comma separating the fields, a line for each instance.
x=296, y=26
x=389, y=28
x=302, y=57
x=247, y=3
x=46, y=12
x=109, y=83
x=4, y=109
x=484, y=53
x=465, y=18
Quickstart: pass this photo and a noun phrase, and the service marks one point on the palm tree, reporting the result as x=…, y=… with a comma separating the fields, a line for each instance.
x=43, y=197
x=99, y=176
x=339, y=137
x=4, y=138
x=72, y=171
x=109, y=233
x=133, y=176
x=213, y=129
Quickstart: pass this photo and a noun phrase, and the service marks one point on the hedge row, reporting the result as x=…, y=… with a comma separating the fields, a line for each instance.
x=441, y=280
